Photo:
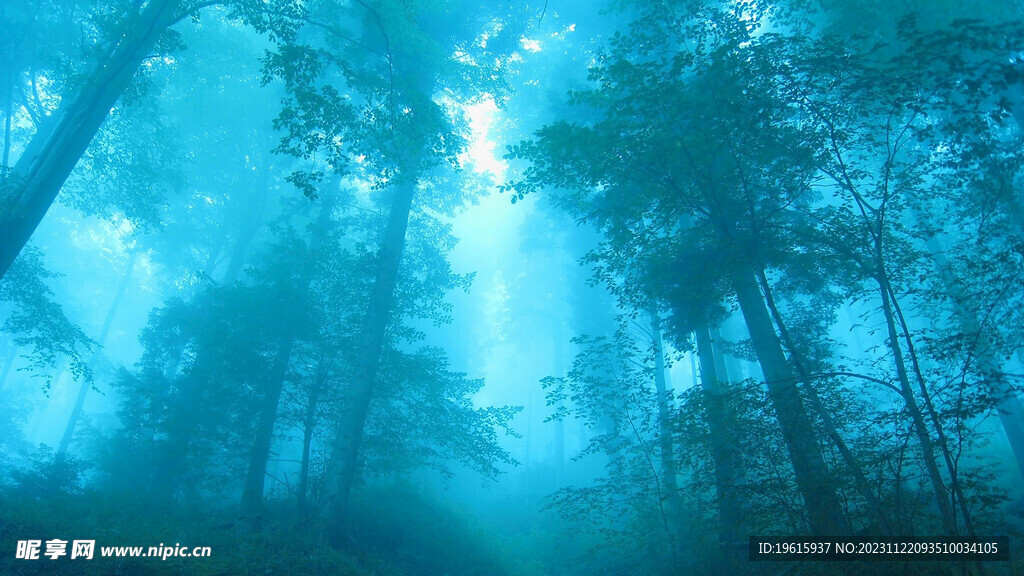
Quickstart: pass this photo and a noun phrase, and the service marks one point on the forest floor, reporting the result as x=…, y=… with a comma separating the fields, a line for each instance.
x=405, y=536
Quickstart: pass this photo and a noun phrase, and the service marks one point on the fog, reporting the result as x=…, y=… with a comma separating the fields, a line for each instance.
x=477, y=287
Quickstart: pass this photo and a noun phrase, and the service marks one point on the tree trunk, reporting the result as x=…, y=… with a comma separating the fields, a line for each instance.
x=723, y=452
x=1010, y=410
x=669, y=471
x=721, y=362
x=557, y=368
x=250, y=223
x=942, y=442
x=7, y=130
x=8, y=363
x=60, y=142
x=83, y=389
x=824, y=512
x=344, y=458
x=308, y=423
x=920, y=427
x=668, y=464
x=1011, y=414
x=863, y=486
x=693, y=369
x=255, y=481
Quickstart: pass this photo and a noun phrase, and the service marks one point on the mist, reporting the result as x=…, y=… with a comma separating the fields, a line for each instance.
x=472, y=287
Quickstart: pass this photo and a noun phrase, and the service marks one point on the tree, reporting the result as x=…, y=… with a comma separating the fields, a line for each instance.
x=60, y=141
x=648, y=176
x=295, y=289
x=873, y=125
x=385, y=113
x=722, y=439
x=86, y=384
x=39, y=324
x=612, y=389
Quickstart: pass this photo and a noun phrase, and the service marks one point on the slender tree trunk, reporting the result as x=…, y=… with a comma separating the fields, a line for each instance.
x=557, y=351
x=7, y=129
x=668, y=463
x=308, y=423
x=721, y=362
x=669, y=471
x=83, y=389
x=1010, y=409
x=933, y=414
x=861, y=482
x=344, y=458
x=214, y=257
x=920, y=427
x=723, y=446
x=249, y=224
x=661, y=497
x=824, y=512
x=60, y=142
x=1011, y=415
x=255, y=481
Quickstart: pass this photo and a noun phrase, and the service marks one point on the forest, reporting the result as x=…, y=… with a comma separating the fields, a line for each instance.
x=499, y=287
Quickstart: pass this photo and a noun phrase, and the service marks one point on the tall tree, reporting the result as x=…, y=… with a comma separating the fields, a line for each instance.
x=252, y=494
x=60, y=141
x=878, y=160
x=384, y=111
x=728, y=469
x=677, y=163
x=611, y=387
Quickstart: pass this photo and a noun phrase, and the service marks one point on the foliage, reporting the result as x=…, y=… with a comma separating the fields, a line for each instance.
x=128, y=169
x=186, y=412
x=125, y=520
x=609, y=389
x=714, y=138
x=38, y=322
x=360, y=85
x=49, y=475
x=191, y=407
x=423, y=416
x=862, y=162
